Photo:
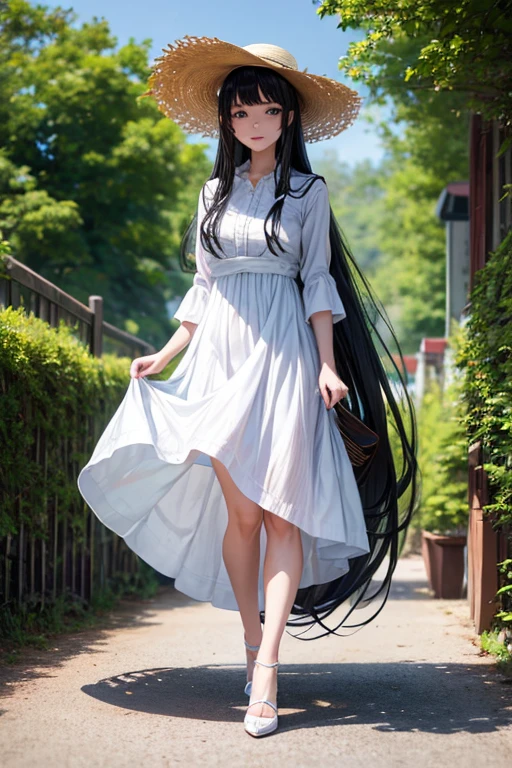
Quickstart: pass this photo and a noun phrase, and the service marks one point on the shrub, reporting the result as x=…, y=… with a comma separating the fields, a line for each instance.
x=486, y=359
x=55, y=398
x=442, y=458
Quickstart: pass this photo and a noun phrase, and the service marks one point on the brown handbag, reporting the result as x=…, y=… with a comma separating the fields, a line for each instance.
x=360, y=441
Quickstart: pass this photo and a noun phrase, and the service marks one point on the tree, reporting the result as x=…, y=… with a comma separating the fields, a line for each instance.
x=462, y=46
x=356, y=198
x=427, y=146
x=96, y=187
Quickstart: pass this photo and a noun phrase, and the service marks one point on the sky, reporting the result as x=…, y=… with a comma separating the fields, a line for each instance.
x=292, y=24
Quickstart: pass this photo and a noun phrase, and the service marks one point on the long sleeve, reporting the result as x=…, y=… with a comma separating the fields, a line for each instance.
x=320, y=290
x=194, y=302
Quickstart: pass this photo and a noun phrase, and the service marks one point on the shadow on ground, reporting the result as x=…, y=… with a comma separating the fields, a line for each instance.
x=130, y=613
x=409, y=696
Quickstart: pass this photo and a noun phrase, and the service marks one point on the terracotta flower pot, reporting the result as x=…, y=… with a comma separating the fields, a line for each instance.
x=444, y=563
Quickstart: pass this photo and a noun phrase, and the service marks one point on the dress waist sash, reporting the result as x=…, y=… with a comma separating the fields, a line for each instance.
x=232, y=265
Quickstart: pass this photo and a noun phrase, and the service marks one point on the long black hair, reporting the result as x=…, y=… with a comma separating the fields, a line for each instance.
x=363, y=345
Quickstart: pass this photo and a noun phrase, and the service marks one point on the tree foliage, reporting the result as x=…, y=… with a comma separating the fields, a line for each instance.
x=426, y=142
x=356, y=197
x=461, y=46
x=388, y=215
x=96, y=187
x=411, y=274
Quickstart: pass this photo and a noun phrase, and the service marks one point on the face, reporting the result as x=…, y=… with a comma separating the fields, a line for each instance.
x=258, y=126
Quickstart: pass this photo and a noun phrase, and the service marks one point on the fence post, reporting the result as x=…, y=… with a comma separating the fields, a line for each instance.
x=96, y=307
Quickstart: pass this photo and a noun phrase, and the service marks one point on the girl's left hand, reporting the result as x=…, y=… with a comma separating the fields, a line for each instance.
x=331, y=386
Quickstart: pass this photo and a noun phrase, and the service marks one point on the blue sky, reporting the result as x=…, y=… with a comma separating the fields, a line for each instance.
x=293, y=24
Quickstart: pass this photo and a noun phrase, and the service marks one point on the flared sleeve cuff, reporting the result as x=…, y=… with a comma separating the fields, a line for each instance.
x=320, y=293
x=193, y=305
x=320, y=290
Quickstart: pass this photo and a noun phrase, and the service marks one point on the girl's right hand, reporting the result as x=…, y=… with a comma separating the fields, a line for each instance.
x=144, y=366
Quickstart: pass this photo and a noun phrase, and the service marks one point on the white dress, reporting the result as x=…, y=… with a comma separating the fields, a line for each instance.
x=246, y=392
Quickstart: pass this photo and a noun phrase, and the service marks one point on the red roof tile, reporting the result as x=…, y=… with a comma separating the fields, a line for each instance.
x=433, y=346
x=410, y=362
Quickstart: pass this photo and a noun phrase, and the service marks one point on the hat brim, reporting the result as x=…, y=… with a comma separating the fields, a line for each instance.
x=186, y=80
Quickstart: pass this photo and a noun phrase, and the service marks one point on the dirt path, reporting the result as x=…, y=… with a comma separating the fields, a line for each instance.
x=163, y=686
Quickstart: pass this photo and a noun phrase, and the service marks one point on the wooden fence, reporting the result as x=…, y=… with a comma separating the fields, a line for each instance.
x=73, y=554
x=20, y=286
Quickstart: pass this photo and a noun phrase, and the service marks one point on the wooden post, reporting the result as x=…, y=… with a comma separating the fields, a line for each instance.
x=55, y=548
x=483, y=579
x=96, y=307
x=32, y=566
x=91, y=553
x=73, y=563
x=21, y=561
x=7, y=594
x=43, y=573
x=65, y=525
x=82, y=569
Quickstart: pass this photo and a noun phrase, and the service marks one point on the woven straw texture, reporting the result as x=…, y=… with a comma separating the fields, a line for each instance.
x=186, y=80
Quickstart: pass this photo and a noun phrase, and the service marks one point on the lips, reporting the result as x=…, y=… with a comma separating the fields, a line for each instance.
x=254, y=138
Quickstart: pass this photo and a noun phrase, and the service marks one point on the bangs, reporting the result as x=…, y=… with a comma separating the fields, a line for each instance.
x=243, y=86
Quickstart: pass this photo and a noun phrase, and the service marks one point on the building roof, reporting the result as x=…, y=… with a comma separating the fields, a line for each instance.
x=433, y=346
x=453, y=203
x=410, y=362
x=458, y=188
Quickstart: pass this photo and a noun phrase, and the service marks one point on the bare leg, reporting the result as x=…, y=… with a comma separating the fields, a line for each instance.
x=282, y=573
x=241, y=553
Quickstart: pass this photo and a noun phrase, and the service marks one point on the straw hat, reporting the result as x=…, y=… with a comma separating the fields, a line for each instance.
x=186, y=80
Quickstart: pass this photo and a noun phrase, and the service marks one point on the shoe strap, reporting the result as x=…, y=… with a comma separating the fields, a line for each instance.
x=251, y=647
x=263, y=701
x=261, y=663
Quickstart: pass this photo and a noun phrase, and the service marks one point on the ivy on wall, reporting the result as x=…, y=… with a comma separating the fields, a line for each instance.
x=485, y=355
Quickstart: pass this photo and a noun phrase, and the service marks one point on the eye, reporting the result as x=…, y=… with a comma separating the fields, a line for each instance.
x=273, y=110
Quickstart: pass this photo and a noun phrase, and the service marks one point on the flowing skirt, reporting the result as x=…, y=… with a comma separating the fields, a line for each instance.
x=245, y=392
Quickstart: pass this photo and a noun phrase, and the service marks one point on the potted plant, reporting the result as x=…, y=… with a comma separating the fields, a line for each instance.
x=443, y=512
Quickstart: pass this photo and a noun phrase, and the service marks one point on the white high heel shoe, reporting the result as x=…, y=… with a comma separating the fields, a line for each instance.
x=261, y=726
x=248, y=685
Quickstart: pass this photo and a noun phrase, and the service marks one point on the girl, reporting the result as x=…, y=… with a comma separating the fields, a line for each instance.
x=232, y=476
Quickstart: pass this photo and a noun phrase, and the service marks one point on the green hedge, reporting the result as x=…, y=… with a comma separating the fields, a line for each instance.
x=486, y=357
x=55, y=399
x=443, y=462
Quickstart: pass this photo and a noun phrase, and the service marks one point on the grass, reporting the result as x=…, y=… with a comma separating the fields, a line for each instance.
x=491, y=643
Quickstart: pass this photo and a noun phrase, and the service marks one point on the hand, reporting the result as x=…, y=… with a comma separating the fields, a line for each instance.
x=331, y=386
x=144, y=366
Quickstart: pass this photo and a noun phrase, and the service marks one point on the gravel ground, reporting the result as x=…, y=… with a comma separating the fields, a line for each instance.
x=162, y=685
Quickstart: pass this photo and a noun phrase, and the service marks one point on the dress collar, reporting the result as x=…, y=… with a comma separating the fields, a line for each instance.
x=243, y=171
